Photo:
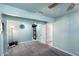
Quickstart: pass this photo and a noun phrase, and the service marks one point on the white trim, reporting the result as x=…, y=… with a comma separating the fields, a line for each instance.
x=65, y=51
x=28, y=41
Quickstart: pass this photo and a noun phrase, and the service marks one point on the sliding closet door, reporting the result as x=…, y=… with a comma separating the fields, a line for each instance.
x=41, y=31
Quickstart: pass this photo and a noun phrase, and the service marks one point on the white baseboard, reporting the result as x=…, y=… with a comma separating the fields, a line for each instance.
x=28, y=41
x=65, y=51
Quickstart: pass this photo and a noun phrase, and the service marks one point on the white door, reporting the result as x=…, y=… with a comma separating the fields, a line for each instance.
x=49, y=34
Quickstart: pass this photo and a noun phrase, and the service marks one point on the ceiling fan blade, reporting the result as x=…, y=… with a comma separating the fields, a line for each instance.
x=53, y=5
x=71, y=6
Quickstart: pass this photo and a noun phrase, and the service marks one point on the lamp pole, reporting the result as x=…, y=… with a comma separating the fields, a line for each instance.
x=12, y=34
x=12, y=29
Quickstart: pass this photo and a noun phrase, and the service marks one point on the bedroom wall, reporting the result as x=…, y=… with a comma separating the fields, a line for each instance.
x=66, y=33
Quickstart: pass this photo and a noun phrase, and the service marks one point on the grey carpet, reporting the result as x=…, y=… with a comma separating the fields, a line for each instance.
x=35, y=48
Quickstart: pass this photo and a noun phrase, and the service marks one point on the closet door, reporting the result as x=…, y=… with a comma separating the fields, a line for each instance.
x=41, y=32
x=49, y=34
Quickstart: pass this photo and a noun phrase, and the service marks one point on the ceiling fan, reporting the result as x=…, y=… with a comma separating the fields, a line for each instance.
x=70, y=7
x=53, y=5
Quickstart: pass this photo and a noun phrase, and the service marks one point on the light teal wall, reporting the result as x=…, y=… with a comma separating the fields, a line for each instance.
x=66, y=33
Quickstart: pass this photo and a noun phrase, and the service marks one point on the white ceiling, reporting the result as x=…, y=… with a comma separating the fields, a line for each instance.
x=42, y=8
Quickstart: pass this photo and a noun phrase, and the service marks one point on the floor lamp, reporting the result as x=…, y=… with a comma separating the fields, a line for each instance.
x=12, y=32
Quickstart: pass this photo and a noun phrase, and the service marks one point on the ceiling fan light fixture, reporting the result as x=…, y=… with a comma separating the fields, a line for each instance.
x=71, y=6
x=52, y=5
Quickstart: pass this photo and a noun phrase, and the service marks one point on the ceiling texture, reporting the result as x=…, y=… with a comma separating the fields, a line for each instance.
x=42, y=8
